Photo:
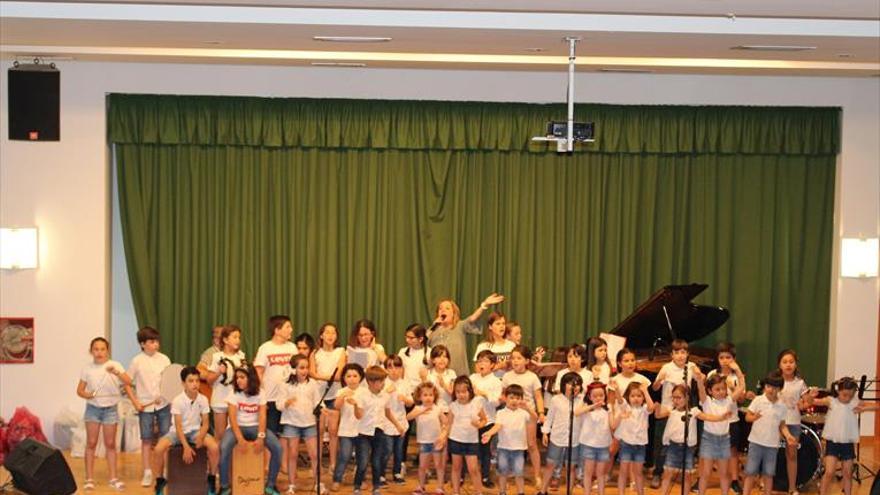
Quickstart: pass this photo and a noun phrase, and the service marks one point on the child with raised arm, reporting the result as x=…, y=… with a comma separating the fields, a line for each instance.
x=736, y=383
x=841, y=432
x=715, y=440
x=99, y=384
x=767, y=415
x=488, y=387
x=431, y=421
x=189, y=429
x=296, y=401
x=247, y=429
x=145, y=371
x=533, y=399
x=557, y=428
x=325, y=365
x=466, y=417
x=220, y=373
x=511, y=425
x=634, y=407
x=395, y=425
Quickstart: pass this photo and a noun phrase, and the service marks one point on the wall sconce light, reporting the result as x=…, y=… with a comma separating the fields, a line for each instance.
x=18, y=248
x=859, y=258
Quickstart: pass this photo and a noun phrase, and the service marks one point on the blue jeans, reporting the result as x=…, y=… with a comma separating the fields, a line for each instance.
x=362, y=445
x=249, y=433
x=343, y=455
x=162, y=416
x=486, y=452
x=392, y=447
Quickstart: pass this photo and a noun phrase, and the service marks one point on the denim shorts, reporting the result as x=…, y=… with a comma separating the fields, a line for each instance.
x=105, y=415
x=163, y=416
x=290, y=431
x=428, y=448
x=598, y=454
x=190, y=437
x=462, y=448
x=714, y=446
x=842, y=451
x=761, y=456
x=676, y=453
x=631, y=453
x=557, y=455
x=329, y=403
x=795, y=431
x=511, y=462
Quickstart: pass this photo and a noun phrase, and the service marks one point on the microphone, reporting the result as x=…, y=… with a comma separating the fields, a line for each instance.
x=437, y=323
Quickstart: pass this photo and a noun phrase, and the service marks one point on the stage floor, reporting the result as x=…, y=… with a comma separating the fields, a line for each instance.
x=130, y=472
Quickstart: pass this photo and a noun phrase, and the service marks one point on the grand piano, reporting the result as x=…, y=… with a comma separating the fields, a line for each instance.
x=669, y=314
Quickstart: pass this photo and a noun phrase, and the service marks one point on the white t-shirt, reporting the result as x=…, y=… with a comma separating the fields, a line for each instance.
x=501, y=350
x=413, y=364
x=674, y=376
x=428, y=424
x=604, y=373
x=462, y=415
x=302, y=412
x=374, y=411
x=348, y=423
x=718, y=408
x=448, y=378
x=146, y=376
x=491, y=386
x=674, y=431
x=395, y=389
x=790, y=395
x=732, y=382
x=765, y=431
x=622, y=382
x=586, y=376
x=633, y=429
x=220, y=391
x=326, y=363
x=104, y=384
x=512, y=435
x=190, y=412
x=557, y=422
x=529, y=381
x=275, y=361
x=841, y=423
x=596, y=428
x=247, y=407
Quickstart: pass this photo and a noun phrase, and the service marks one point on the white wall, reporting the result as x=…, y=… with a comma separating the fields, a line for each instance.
x=64, y=187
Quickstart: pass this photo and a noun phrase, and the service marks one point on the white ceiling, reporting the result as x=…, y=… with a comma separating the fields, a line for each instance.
x=669, y=36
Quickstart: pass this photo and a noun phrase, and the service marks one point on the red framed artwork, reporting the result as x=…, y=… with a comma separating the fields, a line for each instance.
x=16, y=340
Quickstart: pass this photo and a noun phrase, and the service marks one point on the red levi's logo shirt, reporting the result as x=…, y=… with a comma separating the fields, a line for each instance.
x=279, y=359
x=248, y=408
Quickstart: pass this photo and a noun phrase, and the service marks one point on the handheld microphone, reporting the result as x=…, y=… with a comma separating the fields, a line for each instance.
x=437, y=323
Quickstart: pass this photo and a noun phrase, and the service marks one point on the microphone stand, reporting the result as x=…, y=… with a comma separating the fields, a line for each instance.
x=320, y=443
x=570, y=440
x=686, y=418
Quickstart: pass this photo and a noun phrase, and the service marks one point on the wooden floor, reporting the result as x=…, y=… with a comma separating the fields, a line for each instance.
x=130, y=472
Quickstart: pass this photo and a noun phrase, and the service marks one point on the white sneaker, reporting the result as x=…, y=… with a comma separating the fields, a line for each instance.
x=147, y=480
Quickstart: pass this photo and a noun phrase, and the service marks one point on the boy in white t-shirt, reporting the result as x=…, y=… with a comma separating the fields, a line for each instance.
x=767, y=415
x=511, y=425
x=671, y=374
x=145, y=371
x=488, y=387
x=190, y=429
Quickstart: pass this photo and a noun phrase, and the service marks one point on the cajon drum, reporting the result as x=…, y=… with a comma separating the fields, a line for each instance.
x=247, y=471
x=183, y=477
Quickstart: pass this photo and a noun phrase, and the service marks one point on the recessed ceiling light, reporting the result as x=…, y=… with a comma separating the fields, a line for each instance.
x=626, y=71
x=339, y=64
x=353, y=39
x=774, y=48
x=845, y=55
x=212, y=42
x=536, y=50
x=45, y=58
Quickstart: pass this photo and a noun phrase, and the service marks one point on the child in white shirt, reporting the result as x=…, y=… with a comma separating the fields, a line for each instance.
x=511, y=425
x=466, y=417
x=597, y=423
x=533, y=398
x=715, y=441
x=440, y=374
x=431, y=429
x=296, y=401
x=349, y=404
x=767, y=415
x=325, y=365
x=220, y=373
x=634, y=408
x=395, y=426
x=487, y=386
x=558, y=429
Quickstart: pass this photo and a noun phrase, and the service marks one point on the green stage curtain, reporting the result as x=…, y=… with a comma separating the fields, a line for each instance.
x=234, y=209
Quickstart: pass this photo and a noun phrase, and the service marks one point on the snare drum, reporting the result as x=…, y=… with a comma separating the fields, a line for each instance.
x=809, y=461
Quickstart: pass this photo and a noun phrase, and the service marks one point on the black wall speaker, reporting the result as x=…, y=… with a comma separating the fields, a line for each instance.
x=34, y=102
x=39, y=469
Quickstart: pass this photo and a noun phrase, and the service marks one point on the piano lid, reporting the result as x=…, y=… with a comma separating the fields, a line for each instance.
x=689, y=321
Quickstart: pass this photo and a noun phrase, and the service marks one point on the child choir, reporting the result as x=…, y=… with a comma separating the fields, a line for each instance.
x=368, y=404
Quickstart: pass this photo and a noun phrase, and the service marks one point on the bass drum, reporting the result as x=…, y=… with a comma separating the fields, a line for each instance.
x=809, y=462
